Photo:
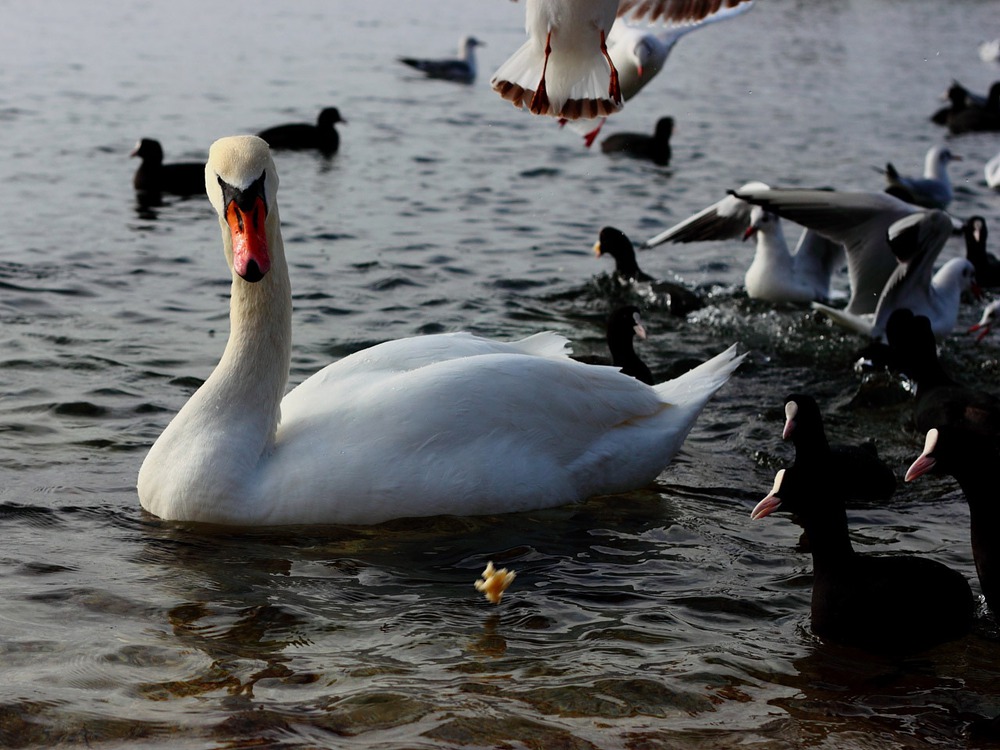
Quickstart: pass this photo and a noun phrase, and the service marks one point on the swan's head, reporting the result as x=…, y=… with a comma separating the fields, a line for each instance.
x=242, y=185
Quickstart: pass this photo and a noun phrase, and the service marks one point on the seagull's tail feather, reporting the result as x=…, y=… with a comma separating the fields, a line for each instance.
x=573, y=89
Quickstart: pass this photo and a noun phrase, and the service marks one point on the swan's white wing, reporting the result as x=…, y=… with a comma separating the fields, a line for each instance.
x=486, y=433
x=404, y=355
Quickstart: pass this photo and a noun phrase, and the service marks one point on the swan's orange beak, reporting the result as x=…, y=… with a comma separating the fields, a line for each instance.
x=251, y=259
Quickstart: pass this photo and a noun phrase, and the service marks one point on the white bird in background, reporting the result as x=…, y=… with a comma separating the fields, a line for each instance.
x=564, y=69
x=439, y=424
x=640, y=52
x=989, y=51
x=776, y=273
x=857, y=220
x=992, y=172
x=933, y=190
x=917, y=240
x=990, y=313
x=462, y=70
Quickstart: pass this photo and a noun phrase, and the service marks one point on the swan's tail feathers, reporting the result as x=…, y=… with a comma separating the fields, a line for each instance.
x=572, y=89
x=545, y=344
x=847, y=320
x=696, y=386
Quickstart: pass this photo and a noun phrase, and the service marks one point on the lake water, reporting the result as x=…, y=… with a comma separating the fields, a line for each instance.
x=663, y=618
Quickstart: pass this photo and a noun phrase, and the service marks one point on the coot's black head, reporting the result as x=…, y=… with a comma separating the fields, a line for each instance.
x=952, y=450
x=664, y=127
x=613, y=242
x=803, y=420
x=624, y=323
x=149, y=151
x=329, y=117
x=975, y=236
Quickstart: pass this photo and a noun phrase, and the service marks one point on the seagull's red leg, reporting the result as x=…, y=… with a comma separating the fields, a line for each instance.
x=589, y=138
x=614, y=88
x=540, y=101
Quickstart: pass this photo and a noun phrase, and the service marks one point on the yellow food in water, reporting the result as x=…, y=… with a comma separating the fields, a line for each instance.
x=494, y=582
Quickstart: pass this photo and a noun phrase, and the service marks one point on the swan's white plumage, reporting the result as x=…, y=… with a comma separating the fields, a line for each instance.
x=449, y=423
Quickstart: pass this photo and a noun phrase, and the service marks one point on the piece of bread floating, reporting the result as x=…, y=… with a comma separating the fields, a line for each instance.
x=494, y=582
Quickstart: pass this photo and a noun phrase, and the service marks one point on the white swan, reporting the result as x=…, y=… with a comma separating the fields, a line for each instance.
x=420, y=426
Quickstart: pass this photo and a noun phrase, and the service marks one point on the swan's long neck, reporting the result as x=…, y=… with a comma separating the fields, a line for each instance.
x=206, y=464
x=252, y=375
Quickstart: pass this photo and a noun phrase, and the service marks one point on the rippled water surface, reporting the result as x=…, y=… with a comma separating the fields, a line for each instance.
x=663, y=618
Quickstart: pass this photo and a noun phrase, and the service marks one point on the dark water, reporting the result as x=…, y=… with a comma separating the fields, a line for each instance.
x=664, y=618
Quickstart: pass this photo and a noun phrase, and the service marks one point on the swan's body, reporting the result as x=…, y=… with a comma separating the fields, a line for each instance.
x=448, y=423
